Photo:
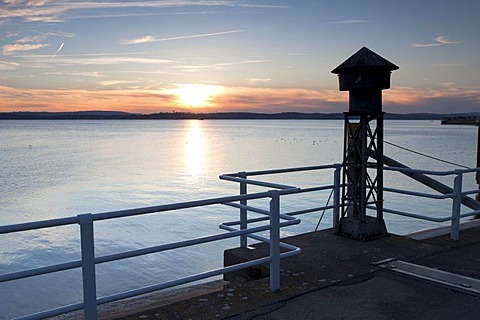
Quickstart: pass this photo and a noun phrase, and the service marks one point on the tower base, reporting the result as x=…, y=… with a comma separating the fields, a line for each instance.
x=352, y=227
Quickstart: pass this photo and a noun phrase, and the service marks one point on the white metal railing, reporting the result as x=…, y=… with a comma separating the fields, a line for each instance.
x=456, y=193
x=276, y=220
x=241, y=228
x=244, y=181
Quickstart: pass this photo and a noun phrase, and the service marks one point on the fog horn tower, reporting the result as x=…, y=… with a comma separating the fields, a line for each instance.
x=364, y=75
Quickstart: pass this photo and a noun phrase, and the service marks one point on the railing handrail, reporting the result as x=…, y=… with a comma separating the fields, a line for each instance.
x=282, y=170
x=431, y=172
x=419, y=194
x=27, y=226
x=456, y=193
x=86, y=222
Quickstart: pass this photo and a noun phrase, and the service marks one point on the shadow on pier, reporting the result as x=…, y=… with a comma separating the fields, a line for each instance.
x=340, y=278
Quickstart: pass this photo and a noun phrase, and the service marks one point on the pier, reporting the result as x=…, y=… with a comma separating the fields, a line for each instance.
x=462, y=120
x=420, y=276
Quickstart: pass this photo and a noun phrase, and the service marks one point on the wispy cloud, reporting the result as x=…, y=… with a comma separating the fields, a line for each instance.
x=32, y=13
x=148, y=101
x=113, y=60
x=346, y=22
x=94, y=59
x=11, y=48
x=217, y=66
x=438, y=100
x=144, y=14
x=255, y=81
x=145, y=39
x=398, y=99
x=115, y=82
x=450, y=65
x=150, y=38
x=53, y=11
x=8, y=65
x=224, y=64
x=33, y=42
x=81, y=74
x=439, y=41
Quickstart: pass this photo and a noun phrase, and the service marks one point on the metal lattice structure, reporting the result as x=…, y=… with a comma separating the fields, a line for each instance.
x=363, y=166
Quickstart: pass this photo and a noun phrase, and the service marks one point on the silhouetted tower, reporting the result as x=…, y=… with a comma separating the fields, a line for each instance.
x=364, y=75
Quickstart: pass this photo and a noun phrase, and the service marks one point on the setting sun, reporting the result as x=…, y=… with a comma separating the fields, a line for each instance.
x=196, y=95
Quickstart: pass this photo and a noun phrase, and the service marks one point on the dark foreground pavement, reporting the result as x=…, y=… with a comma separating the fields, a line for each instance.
x=338, y=278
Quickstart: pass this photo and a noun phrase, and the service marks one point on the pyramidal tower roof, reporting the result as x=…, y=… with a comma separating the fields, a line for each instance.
x=364, y=59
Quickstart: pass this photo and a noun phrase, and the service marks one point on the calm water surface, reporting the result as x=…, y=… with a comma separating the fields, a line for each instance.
x=51, y=169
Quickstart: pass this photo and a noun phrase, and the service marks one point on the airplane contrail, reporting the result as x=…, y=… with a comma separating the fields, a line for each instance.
x=60, y=48
x=149, y=38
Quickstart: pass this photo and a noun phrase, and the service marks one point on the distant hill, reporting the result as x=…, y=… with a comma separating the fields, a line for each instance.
x=118, y=115
x=76, y=115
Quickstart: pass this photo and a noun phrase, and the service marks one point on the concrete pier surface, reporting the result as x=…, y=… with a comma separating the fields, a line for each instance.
x=339, y=278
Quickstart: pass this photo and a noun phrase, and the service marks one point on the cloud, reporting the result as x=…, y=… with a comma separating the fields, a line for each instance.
x=54, y=11
x=145, y=39
x=158, y=100
x=115, y=82
x=11, y=48
x=224, y=64
x=32, y=13
x=81, y=74
x=439, y=41
x=347, y=22
x=255, y=99
x=7, y=65
x=36, y=38
x=149, y=38
x=281, y=100
x=218, y=66
x=254, y=81
x=19, y=99
x=93, y=59
x=145, y=14
x=442, y=100
x=33, y=42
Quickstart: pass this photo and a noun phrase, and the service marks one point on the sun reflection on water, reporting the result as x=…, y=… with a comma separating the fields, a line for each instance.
x=194, y=149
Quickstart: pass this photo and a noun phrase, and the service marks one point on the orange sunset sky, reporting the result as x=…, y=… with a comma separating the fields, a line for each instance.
x=238, y=55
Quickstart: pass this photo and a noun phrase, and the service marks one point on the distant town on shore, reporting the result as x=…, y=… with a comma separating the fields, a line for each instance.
x=118, y=115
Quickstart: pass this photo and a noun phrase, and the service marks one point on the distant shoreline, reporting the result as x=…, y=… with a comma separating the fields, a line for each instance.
x=117, y=115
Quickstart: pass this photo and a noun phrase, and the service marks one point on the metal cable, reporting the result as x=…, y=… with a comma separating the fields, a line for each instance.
x=425, y=155
x=321, y=217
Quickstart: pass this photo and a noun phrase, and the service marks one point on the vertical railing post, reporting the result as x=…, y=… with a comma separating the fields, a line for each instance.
x=88, y=266
x=336, y=194
x=275, y=240
x=456, y=206
x=243, y=212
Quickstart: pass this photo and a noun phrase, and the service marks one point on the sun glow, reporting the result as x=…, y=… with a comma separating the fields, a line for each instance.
x=196, y=95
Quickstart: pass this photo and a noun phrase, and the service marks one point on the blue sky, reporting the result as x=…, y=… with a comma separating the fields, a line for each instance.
x=263, y=56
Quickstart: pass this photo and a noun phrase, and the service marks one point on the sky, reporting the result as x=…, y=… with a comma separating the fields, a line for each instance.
x=233, y=55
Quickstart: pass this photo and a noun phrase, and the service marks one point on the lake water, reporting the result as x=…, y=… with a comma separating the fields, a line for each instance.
x=51, y=169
